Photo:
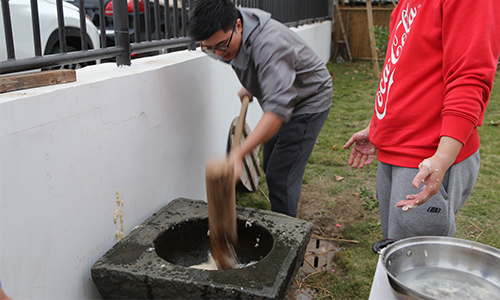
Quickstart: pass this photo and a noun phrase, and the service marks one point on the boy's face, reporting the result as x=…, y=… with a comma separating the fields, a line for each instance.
x=224, y=44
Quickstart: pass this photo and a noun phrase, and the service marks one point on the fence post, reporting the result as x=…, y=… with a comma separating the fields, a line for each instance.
x=191, y=46
x=62, y=30
x=120, y=18
x=369, y=11
x=9, y=38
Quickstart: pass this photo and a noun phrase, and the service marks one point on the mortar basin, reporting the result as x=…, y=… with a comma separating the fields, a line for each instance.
x=152, y=261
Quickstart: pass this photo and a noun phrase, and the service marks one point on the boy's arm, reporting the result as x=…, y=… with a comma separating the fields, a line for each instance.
x=268, y=125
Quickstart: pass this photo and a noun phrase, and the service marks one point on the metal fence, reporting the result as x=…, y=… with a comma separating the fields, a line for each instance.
x=135, y=27
x=293, y=12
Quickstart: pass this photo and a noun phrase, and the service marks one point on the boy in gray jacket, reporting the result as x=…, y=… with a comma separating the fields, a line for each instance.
x=292, y=85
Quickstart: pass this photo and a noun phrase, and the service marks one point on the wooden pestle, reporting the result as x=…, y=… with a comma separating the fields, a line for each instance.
x=221, y=201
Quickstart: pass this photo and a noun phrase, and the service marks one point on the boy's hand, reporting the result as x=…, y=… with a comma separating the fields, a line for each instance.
x=363, y=153
x=237, y=159
x=243, y=92
x=431, y=172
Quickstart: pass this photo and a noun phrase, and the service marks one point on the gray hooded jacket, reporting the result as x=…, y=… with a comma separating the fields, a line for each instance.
x=277, y=67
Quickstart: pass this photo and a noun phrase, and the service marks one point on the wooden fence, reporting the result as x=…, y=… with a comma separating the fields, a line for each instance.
x=355, y=23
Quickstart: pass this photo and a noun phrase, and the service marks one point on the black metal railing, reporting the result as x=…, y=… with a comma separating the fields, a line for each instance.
x=157, y=28
x=292, y=12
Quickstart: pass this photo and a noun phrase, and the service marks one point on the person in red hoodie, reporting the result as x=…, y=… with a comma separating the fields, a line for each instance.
x=434, y=89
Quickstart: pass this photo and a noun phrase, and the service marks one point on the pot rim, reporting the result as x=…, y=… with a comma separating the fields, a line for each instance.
x=441, y=240
x=431, y=240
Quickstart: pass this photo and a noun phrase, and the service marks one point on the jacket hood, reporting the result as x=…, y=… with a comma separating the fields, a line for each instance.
x=253, y=21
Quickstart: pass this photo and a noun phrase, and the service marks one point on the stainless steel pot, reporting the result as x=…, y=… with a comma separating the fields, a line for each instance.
x=441, y=268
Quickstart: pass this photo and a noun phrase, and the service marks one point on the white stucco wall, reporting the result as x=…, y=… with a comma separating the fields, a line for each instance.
x=145, y=131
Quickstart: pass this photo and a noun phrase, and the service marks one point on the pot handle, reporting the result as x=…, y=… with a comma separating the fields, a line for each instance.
x=378, y=246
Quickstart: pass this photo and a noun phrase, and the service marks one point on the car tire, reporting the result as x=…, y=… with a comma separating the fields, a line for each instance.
x=73, y=43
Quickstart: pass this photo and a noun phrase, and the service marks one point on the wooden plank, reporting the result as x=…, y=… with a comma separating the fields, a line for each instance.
x=9, y=83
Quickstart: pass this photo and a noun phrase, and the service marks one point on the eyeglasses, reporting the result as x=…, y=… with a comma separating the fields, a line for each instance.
x=221, y=47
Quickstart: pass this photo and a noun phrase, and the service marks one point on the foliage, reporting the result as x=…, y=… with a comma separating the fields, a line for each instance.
x=381, y=39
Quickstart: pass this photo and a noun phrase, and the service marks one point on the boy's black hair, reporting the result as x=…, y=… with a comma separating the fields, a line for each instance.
x=210, y=16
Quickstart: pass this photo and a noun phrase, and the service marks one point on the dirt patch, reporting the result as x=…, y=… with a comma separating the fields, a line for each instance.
x=330, y=214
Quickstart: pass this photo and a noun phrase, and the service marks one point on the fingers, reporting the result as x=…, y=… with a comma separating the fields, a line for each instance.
x=414, y=200
x=371, y=158
x=406, y=205
x=423, y=173
x=238, y=170
x=243, y=92
x=367, y=159
x=363, y=159
x=357, y=159
x=352, y=156
x=350, y=142
x=237, y=162
x=411, y=197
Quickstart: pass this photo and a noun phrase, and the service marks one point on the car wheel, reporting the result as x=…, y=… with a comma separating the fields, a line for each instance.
x=73, y=66
x=73, y=43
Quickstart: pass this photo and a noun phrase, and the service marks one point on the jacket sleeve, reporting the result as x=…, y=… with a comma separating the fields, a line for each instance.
x=471, y=48
x=275, y=65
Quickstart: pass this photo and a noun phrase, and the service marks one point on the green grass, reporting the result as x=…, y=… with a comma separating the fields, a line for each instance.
x=351, y=201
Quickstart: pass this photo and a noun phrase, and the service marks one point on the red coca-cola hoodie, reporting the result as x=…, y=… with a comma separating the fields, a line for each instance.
x=437, y=78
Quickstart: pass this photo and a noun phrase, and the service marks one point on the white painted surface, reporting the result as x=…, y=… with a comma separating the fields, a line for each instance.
x=144, y=130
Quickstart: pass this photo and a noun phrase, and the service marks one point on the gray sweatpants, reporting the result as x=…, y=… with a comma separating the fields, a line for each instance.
x=285, y=157
x=436, y=217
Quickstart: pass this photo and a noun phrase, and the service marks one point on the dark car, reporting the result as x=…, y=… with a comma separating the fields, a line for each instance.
x=145, y=33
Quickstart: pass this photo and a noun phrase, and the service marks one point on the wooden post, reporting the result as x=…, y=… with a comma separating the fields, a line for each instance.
x=341, y=23
x=372, y=38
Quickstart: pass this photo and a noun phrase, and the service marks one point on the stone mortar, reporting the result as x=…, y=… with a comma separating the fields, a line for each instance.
x=132, y=269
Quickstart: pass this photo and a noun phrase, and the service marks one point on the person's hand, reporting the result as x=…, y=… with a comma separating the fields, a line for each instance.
x=243, y=92
x=363, y=153
x=237, y=159
x=431, y=173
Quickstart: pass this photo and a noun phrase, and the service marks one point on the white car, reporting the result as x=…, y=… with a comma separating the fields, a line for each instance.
x=20, y=12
